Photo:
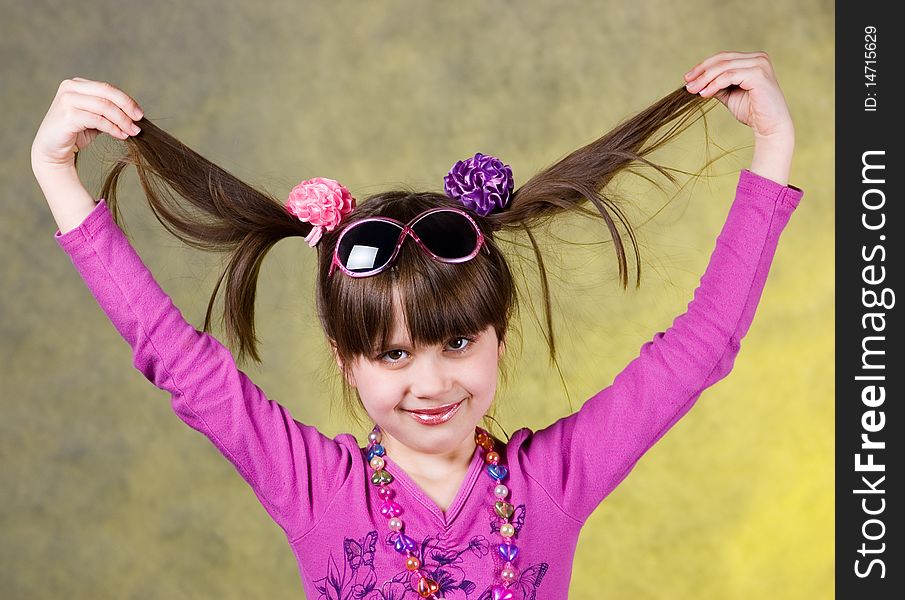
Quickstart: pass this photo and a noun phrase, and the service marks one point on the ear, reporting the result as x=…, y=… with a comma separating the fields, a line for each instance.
x=349, y=377
x=502, y=349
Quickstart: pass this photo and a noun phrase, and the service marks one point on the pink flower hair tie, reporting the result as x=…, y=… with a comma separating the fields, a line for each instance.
x=322, y=202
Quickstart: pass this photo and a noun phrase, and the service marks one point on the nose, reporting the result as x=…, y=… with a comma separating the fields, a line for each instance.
x=432, y=378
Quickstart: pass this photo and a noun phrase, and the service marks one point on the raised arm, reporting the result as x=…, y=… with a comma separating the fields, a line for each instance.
x=292, y=468
x=585, y=455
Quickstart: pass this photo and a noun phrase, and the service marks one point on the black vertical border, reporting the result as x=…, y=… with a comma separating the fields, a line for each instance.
x=858, y=247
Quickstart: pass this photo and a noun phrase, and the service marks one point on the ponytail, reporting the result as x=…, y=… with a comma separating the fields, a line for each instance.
x=221, y=214
x=582, y=176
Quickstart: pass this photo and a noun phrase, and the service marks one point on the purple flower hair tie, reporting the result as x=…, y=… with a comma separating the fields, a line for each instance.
x=482, y=183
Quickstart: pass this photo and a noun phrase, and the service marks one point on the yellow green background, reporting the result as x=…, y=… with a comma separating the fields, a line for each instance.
x=104, y=493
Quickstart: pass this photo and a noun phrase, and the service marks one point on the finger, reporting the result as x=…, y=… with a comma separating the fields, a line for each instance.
x=106, y=108
x=88, y=119
x=739, y=77
x=713, y=71
x=109, y=91
x=719, y=57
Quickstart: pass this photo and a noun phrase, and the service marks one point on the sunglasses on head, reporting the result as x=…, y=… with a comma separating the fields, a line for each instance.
x=370, y=246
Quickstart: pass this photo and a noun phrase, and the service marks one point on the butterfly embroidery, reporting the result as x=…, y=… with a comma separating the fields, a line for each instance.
x=529, y=580
x=441, y=559
x=517, y=520
x=527, y=583
x=361, y=553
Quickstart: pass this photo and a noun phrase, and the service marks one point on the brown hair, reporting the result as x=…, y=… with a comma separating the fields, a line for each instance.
x=441, y=301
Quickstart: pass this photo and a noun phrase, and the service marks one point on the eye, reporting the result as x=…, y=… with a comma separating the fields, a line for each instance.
x=469, y=340
x=390, y=356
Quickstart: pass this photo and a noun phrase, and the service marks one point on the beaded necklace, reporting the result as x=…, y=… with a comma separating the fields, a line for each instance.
x=403, y=544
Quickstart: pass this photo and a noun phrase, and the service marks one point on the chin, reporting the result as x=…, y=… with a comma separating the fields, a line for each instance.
x=441, y=439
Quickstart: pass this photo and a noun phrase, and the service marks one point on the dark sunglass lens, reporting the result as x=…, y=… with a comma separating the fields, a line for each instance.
x=448, y=234
x=368, y=246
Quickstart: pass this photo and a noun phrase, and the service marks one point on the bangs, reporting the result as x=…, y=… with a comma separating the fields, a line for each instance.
x=435, y=302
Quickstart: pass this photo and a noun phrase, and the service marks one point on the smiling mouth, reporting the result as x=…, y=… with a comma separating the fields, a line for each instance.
x=436, y=416
x=436, y=411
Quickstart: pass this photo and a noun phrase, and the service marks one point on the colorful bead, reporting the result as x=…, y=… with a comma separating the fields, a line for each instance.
x=377, y=463
x=374, y=436
x=395, y=523
x=492, y=458
x=498, y=472
x=385, y=493
x=508, y=573
x=380, y=477
x=404, y=543
x=508, y=552
x=412, y=563
x=376, y=450
x=507, y=530
x=501, y=593
x=484, y=440
x=427, y=587
x=503, y=509
x=390, y=509
x=501, y=491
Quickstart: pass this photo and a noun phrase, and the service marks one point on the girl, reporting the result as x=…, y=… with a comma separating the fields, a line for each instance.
x=415, y=298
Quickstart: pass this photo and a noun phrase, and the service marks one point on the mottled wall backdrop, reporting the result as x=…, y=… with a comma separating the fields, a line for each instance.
x=104, y=493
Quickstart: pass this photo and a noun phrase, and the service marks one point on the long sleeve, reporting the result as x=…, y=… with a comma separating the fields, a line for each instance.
x=584, y=456
x=293, y=469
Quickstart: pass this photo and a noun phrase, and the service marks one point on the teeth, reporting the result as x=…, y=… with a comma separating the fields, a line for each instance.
x=437, y=411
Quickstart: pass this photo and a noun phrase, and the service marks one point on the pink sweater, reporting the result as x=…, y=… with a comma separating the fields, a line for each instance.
x=318, y=489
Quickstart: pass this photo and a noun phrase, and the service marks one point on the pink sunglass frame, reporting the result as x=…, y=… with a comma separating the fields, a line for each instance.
x=405, y=230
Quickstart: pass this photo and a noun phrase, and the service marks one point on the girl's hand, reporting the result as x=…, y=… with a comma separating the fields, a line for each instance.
x=746, y=84
x=81, y=110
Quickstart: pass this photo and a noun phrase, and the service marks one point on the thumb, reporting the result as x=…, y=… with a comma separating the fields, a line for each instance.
x=723, y=96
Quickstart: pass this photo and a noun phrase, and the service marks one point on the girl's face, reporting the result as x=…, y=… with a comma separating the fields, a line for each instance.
x=401, y=378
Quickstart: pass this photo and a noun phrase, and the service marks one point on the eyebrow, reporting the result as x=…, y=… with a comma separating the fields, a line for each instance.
x=406, y=343
x=398, y=344
x=393, y=344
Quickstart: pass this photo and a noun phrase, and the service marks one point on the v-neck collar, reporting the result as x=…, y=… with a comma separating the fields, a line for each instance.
x=445, y=519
